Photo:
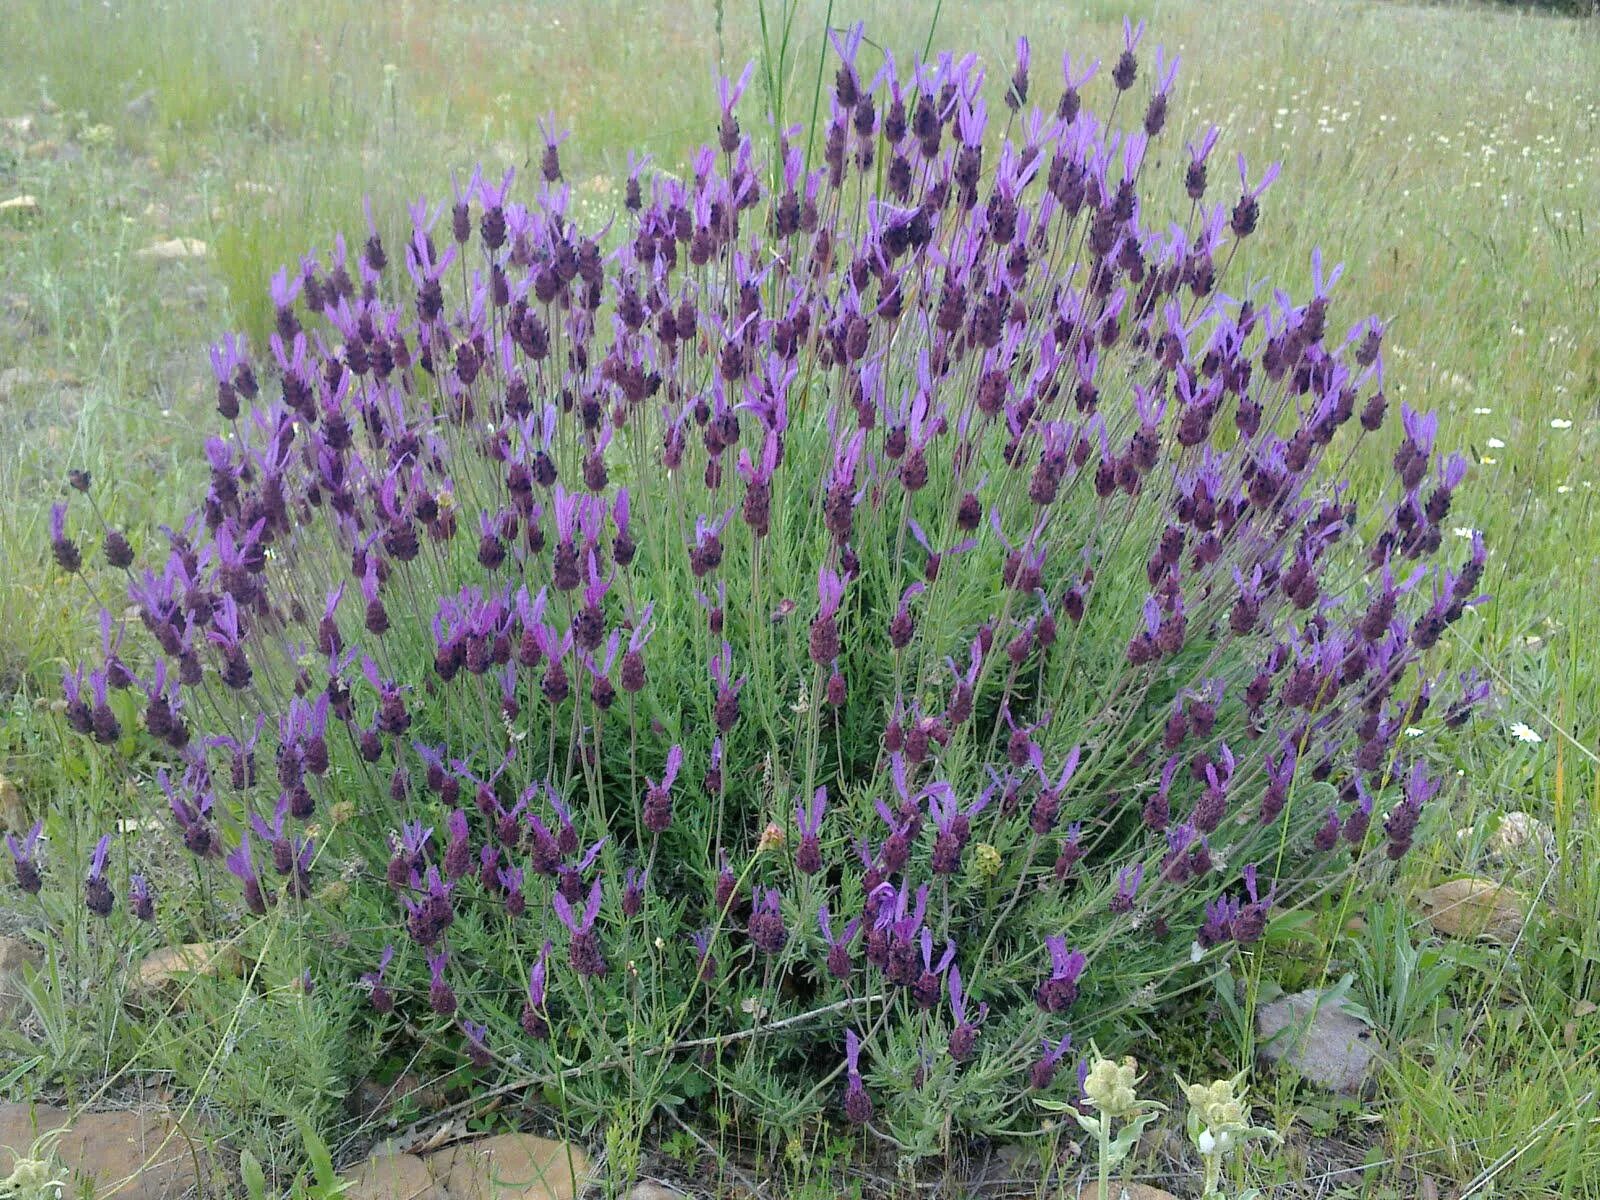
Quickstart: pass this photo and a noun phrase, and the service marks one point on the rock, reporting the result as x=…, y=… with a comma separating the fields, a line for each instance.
x=128, y=1154
x=650, y=1189
x=163, y=968
x=391, y=1177
x=15, y=381
x=372, y=1099
x=1123, y=1191
x=1516, y=829
x=511, y=1166
x=20, y=206
x=13, y=813
x=143, y=106
x=172, y=250
x=14, y=952
x=1326, y=1045
x=1474, y=907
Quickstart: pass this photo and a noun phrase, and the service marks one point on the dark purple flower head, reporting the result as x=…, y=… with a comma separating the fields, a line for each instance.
x=1128, y=879
x=441, y=996
x=97, y=897
x=534, y=1021
x=839, y=962
x=964, y=1037
x=1057, y=992
x=808, y=820
x=382, y=1000
x=584, y=946
x=857, y=1104
x=141, y=903
x=765, y=926
x=1043, y=1072
x=241, y=865
x=658, y=796
x=24, y=858
x=62, y=547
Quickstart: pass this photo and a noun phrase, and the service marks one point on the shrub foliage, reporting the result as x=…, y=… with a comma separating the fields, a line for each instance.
x=841, y=636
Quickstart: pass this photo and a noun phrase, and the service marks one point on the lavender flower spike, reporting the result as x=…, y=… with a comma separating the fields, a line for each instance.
x=24, y=858
x=808, y=820
x=97, y=896
x=857, y=1104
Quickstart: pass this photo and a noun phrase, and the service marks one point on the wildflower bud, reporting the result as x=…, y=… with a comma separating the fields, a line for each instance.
x=1109, y=1086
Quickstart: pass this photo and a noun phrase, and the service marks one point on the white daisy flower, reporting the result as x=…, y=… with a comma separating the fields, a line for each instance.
x=1524, y=734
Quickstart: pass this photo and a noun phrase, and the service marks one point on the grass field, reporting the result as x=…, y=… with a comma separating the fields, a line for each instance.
x=1449, y=156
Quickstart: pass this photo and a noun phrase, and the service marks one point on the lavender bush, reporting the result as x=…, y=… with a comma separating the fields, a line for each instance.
x=840, y=636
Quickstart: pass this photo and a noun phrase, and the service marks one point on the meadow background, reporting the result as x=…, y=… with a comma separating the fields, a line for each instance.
x=1448, y=155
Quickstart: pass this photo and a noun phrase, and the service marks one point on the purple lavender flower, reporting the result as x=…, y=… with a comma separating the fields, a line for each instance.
x=1128, y=880
x=964, y=1037
x=441, y=996
x=381, y=998
x=534, y=1021
x=1043, y=1071
x=839, y=963
x=1057, y=993
x=808, y=820
x=765, y=925
x=857, y=1104
x=583, y=950
x=24, y=858
x=141, y=903
x=97, y=897
x=658, y=796
x=65, y=550
x=478, y=1053
x=241, y=865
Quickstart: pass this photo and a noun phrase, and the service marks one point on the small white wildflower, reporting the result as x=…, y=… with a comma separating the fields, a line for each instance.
x=1490, y=461
x=1563, y=490
x=1413, y=732
x=1495, y=444
x=1482, y=412
x=1524, y=734
x=1463, y=531
x=1560, y=423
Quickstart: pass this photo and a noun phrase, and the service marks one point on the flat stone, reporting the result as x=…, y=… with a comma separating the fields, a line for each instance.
x=127, y=1154
x=13, y=813
x=1473, y=908
x=372, y=1099
x=1123, y=1191
x=165, y=968
x=510, y=1166
x=392, y=1177
x=1516, y=830
x=142, y=106
x=650, y=1189
x=1326, y=1045
x=172, y=249
x=14, y=952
